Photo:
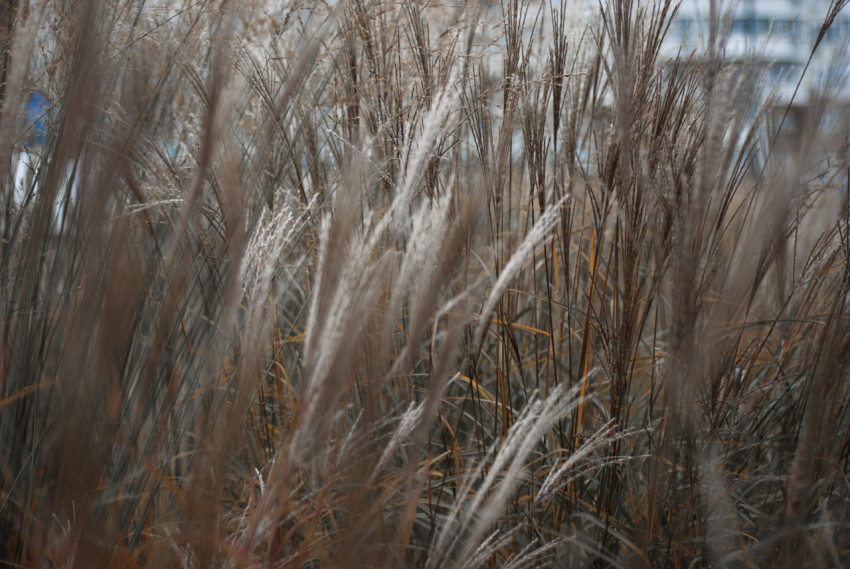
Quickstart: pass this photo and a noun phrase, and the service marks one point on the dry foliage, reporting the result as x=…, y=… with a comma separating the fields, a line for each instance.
x=409, y=284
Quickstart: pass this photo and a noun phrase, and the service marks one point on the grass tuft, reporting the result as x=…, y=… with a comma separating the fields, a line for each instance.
x=404, y=284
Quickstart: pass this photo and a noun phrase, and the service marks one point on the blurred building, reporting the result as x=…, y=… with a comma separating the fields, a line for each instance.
x=778, y=35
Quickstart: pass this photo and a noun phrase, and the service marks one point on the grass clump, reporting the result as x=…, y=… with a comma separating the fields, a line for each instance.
x=385, y=284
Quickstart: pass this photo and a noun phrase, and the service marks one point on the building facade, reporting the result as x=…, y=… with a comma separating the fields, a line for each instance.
x=779, y=34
